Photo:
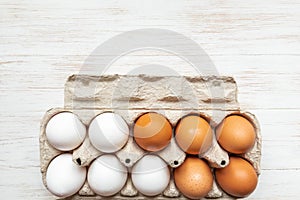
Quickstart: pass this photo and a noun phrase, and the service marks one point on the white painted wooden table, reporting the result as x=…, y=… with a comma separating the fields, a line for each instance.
x=256, y=42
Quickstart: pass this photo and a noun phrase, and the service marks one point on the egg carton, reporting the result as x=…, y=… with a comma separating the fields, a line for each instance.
x=212, y=97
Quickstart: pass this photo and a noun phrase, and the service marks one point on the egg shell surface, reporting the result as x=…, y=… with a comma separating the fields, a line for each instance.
x=63, y=177
x=194, y=135
x=194, y=178
x=238, y=179
x=236, y=134
x=65, y=131
x=108, y=132
x=152, y=132
x=150, y=175
x=107, y=175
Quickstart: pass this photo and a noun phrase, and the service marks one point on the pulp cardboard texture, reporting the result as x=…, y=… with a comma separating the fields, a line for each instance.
x=212, y=97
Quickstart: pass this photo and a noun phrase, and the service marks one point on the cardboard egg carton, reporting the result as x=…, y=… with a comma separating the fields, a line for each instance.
x=212, y=97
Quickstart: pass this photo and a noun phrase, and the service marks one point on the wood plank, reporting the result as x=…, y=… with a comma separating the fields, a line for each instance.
x=264, y=82
x=54, y=28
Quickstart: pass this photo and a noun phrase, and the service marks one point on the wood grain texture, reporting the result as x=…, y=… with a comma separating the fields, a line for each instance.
x=256, y=42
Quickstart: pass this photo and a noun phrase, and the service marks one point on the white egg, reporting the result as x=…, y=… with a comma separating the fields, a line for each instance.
x=107, y=175
x=150, y=175
x=65, y=131
x=108, y=132
x=63, y=177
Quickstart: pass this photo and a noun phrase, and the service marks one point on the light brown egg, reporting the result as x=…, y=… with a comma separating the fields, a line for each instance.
x=193, y=135
x=238, y=179
x=152, y=131
x=193, y=178
x=236, y=134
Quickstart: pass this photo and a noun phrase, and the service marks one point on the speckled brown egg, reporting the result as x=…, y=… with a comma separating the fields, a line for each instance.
x=193, y=135
x=152, y=132
x=193, y=178
x=238, y=179
x=236, y=134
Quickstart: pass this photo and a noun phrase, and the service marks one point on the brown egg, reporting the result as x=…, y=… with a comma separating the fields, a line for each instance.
x=193, y=135
x=152, y=131
x=238, y=179
x=236, y=134
x=193, y=178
